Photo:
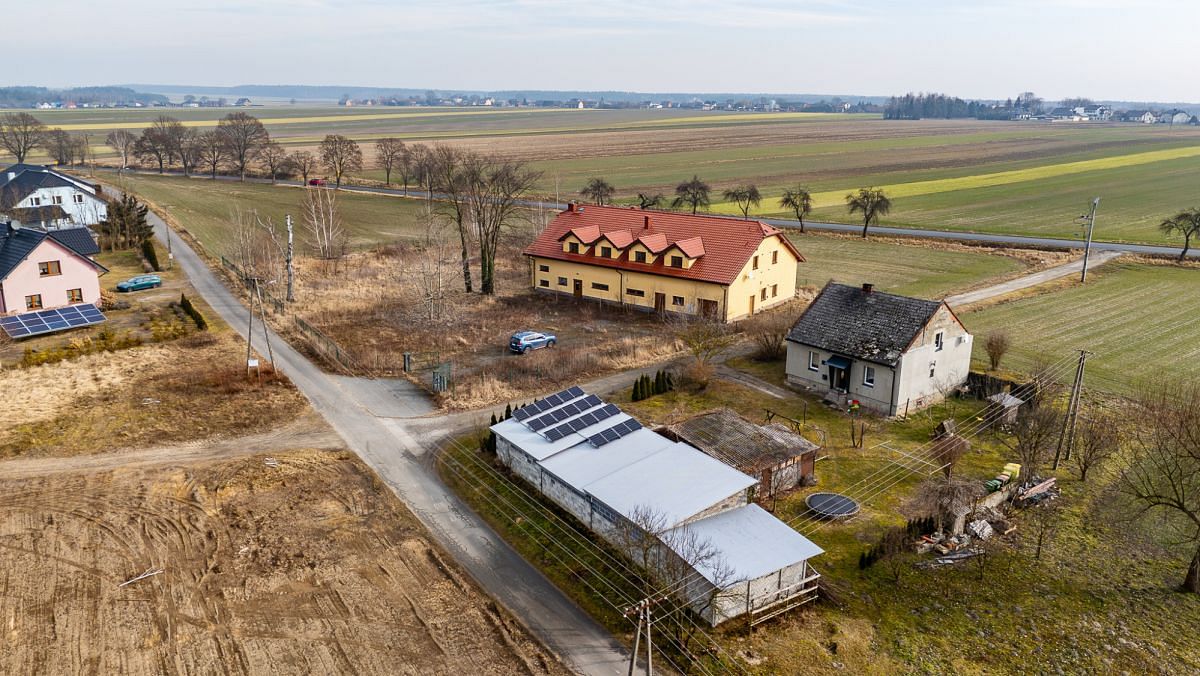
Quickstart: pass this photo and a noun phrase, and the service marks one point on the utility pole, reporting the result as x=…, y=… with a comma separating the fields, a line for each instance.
x=645, y=618
x=1067, y=438
x=1087, y=249
x=291, y=295
x=170, y=255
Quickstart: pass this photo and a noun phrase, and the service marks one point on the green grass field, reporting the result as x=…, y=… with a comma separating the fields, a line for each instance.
x=1141, y=321
x=206, y=209
x=909, y=270
x=960, y=175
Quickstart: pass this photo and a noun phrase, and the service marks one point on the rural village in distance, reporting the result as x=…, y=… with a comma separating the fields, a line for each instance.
x=583, y=370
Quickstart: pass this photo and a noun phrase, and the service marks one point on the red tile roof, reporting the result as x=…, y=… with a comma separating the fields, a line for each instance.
x=720, y=245
x=619, y=238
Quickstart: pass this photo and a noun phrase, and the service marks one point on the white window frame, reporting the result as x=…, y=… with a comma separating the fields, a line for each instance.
x=77, y=198
x=939, y=341
x=814, y=361
x=868, y=376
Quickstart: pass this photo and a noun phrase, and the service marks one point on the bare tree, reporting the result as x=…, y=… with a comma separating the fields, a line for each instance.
x=243, y=136
x=693, y=193
x=20, y=133
x=389, y=153
x=1035, y=433
x=259, y=248
x=705, y=338
x=189, y=149
x=494, y=189
x=871, y=203
x=996, y=345
x=83, y=149
x=769, y=331
x=745, y=196
x=121, y=141
x=211, y=152
x=432, y=269
x=946, y=498
x=425, y=168
x=649, y=201
x=799, y=200
x=598, y=190
x=341, y=156
x=1097, y=440
x=1184, y=223
x=1043, y=521
x=445, y=167
x=895, y=553
x=275, y=158
x=156, y=144
x=1161, y=475
x=60, y=146
x=326, y=234
x=407, y=166
x=304, y=162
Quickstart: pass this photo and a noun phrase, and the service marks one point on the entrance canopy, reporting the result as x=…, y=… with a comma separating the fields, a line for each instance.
x=838, y=362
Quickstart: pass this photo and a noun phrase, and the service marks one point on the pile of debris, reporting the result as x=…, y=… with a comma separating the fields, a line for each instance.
x=1036, y=492
x=984, y=524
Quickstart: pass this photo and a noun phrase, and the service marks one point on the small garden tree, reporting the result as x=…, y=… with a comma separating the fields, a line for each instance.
x=693, y=193
x=745, y=196
x=996, y=345
x=871, y=203
x=598, y=190
x=1185, y=224
x=799, y=200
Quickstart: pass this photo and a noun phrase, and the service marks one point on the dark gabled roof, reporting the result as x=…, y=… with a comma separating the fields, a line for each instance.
x=16, y=170
x=873, y=326
x=48, y=214
x=28, y=182
x=79, y=240
x=17, y=243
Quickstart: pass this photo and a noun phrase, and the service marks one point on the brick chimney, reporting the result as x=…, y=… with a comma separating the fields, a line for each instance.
x=570, y=207
x=646, y=222
x=868, y=287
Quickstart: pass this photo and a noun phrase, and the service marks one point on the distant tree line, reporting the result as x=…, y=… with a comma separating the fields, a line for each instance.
x=28, y=97
x=941, y=106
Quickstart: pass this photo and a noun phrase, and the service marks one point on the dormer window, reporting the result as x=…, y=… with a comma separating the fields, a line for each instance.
x=606, y=251
x=573, y=247
x=677, y=261
x=639, y=256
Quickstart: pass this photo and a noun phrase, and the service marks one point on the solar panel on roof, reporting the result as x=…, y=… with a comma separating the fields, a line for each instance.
x=615, y=432
x=49, y=321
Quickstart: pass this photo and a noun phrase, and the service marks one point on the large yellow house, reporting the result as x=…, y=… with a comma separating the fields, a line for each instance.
x=725, y=268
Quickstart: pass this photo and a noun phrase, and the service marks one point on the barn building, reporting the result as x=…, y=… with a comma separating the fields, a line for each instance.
x=617, y=477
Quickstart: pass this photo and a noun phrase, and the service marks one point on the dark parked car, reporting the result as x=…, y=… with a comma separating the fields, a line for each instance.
x=524, y=341
x=140, y=282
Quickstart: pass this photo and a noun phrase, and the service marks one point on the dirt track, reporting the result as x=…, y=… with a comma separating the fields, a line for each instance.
x=308, y=567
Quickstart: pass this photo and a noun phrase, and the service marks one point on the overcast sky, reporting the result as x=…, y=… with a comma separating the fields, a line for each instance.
x=1105, y=49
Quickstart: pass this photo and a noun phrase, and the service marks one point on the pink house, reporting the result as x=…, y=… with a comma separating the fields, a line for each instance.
x=44, y=270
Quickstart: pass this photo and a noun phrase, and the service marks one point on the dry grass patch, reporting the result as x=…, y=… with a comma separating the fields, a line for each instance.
x=189, y=389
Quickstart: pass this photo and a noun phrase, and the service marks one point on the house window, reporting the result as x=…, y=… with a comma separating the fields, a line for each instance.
x=599, y=287
x=74, y=295
x=49, y=268
x=754, y=265
x=606, y=251
x=774, y=257
x=639, y=256
x=77, y=198
x=636, y=292
x=562, y=281
x=677, y=261
x=939, y=341
x=677, y=300
x=573, y=247
x=932, y=370
x=33, y=302
x=813, y=361
x=763, y=295
x=543, y=282
x=543, y=268
x=869, y=376
x=774, y=290
x=56, y=198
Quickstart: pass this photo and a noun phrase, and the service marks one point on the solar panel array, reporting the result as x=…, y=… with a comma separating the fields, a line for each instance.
x=49, y=321
x=560, y=414
x=556, y=399
x=615, y=432
x=583, y=421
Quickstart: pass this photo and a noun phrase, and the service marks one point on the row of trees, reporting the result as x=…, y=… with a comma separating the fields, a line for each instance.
x=869, y=203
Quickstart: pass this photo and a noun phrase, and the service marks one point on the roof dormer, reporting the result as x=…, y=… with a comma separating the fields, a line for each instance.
x=684, y=253
x=612, y=244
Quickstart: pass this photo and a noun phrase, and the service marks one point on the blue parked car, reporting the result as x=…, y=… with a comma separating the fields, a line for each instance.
x=524, y=341
x=140, y=282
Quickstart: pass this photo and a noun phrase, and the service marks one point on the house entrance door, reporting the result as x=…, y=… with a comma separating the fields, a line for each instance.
x=579, y=288
x=839, y=378
x=660, y=302
x=751, y=304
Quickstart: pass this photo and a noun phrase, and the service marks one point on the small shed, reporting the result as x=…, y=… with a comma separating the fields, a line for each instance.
x=1003, y=408
x=778, y=457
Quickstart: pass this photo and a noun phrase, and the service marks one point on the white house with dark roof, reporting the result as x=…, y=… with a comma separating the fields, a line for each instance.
x=612, y=475
x=34, y=196
x=891, y=353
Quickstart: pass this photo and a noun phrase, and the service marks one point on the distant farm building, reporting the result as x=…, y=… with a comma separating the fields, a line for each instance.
x=625, y=482
x=891, y=353
x=778, y=457
x=712, y=266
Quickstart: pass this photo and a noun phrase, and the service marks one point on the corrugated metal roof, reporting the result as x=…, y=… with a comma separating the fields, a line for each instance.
x=752, y=543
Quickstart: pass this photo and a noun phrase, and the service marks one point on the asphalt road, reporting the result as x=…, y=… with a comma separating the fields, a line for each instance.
x=920, y=233
x=399, y=456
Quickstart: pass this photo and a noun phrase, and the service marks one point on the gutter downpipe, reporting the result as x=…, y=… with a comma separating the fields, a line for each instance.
x=896, y=373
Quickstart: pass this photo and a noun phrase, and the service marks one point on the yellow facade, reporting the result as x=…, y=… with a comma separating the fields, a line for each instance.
x=767, y=279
